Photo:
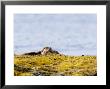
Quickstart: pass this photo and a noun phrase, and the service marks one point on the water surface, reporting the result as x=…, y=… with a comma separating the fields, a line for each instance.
x=71, y=34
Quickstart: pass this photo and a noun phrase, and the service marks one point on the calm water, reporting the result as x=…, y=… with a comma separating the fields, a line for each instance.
x=71, y=34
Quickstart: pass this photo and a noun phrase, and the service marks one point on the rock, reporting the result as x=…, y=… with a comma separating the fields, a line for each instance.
x=95, y=74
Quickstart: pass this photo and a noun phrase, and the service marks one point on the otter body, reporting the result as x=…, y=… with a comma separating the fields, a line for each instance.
x=44, y=51
x=47, y=50
x=33, y=53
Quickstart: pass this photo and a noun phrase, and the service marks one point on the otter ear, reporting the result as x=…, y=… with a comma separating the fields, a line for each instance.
x=42, y=50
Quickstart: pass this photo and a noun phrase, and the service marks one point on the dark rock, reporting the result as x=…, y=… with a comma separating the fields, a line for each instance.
x=37, y=74
x=95, y=74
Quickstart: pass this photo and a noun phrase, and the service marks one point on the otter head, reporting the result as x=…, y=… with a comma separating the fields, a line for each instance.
x=46, y=50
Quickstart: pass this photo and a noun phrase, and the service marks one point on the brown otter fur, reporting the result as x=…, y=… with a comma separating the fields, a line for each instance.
x=33, y=53
x=44, y=51
x=47, y=50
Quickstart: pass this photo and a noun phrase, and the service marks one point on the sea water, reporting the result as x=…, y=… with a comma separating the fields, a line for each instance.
x=70, y=34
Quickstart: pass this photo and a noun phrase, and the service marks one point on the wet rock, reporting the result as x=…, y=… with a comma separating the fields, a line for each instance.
x=95, y=74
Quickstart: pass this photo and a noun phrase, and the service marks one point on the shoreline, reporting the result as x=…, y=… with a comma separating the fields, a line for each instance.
x=55, y=65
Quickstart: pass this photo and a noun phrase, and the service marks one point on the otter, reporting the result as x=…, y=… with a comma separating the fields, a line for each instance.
x=33, y=53
x=47, y=50
x=44, y=51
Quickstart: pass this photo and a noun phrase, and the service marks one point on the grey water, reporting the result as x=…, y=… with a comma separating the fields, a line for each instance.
x=70, y=34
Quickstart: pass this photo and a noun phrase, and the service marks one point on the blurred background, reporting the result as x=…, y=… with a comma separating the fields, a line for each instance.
x=69, y=34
